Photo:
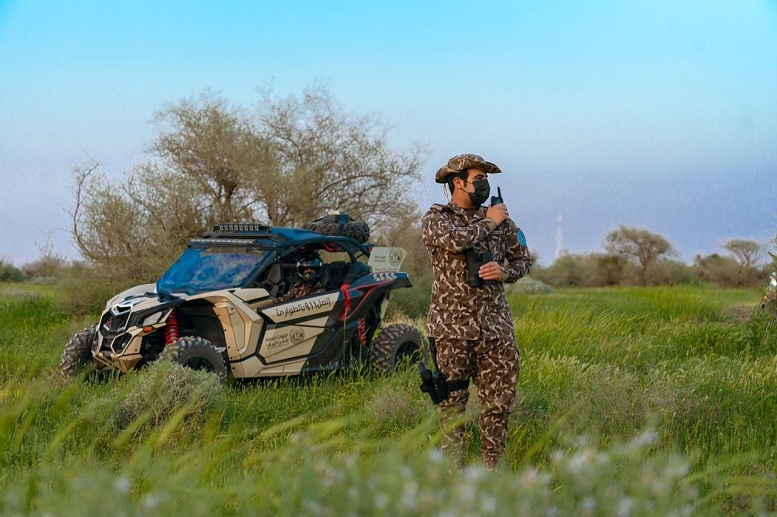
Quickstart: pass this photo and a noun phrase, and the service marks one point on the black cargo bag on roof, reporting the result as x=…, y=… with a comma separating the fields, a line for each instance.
x=340, y=224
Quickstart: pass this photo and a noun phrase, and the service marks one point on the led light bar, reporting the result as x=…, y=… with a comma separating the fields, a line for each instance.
x=217, y=241
x=240, y=227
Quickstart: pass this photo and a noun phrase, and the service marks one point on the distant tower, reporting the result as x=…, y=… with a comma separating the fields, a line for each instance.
x=559, y=238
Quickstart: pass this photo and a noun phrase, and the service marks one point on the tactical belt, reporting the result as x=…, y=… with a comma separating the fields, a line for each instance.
x=457, y=385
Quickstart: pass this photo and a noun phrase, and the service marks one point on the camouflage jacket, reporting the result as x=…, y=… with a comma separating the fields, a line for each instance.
x=299, y=290
x=458, y=310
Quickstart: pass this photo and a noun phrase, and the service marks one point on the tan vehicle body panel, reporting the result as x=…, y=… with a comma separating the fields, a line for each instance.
x=286, y=347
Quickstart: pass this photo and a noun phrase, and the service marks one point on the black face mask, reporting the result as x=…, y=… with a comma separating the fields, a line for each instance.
x=481, y=193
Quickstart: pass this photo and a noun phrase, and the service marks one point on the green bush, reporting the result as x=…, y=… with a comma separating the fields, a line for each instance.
x=670, y=272
x=603, y=270
x=47, y=267
x=162, y=390
x=725, y=271
x=566, y=271
x=83, y=291
x=9, y=273
x=411, y=303
x=528, y=285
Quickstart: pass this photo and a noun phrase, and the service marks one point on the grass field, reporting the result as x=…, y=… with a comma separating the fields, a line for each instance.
x=643, y=401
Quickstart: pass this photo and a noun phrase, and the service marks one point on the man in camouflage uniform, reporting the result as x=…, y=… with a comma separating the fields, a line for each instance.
x=308, y=271
x=471, y=325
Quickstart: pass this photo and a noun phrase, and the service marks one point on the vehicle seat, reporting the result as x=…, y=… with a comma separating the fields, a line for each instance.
x=274, y=279
x=278, y=279
x=335, y=273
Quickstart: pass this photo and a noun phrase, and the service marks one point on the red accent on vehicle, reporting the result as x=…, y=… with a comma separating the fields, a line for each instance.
x=347, y=307
x=172, y=333
x=346, y=301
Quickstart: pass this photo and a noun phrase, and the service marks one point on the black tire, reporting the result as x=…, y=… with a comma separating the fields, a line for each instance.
x=77, y=354
x=330, y=225
x=198, y=354
x=395, y=344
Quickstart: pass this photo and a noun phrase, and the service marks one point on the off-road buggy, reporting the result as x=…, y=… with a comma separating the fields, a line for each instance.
x=215, y=309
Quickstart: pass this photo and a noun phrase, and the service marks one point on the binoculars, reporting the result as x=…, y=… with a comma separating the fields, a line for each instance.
x=474, y=261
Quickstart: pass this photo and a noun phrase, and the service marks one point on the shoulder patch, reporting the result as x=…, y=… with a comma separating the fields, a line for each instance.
x=521, y=238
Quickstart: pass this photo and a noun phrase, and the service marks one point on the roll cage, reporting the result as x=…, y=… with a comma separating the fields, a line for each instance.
x=276, y=251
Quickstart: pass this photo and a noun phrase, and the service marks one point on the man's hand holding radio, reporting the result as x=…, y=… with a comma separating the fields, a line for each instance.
x=497, y=213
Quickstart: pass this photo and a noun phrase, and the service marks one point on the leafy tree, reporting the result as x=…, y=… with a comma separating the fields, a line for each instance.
x=118, y=237
x=747, y=252
x=726, y=271
x=214, y=147
x=286, y=163
x=638, y=244
x=327, y=158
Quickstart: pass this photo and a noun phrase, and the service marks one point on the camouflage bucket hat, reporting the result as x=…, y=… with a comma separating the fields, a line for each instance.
x=465, y=161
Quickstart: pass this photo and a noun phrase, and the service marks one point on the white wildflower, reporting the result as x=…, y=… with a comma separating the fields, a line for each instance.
x=150, y=502
x=640, y=441
x=588, y=505
x=436, y=456
x=410, y=495
x=314, y=507
x=466, y=491
x=625, y=506
x=581, y=461
x=474, y=473
x=488, y=505
x=122, y=485
x=381, y=501
x=332, y=477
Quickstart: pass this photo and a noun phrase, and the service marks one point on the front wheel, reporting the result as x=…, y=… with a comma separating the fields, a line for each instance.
x=395, y=344
x=77, y=354
x=198, y=354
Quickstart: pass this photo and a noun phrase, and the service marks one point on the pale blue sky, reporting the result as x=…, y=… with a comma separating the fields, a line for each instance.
x=654, y=113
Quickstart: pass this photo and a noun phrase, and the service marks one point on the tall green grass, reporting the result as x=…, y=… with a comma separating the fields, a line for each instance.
x=650, y=401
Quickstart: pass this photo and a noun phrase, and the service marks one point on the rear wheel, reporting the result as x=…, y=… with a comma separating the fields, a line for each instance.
x=394, y=345
x=77, y=355
x=198, y=354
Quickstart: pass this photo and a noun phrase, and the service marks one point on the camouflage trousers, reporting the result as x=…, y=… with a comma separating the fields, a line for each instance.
x=493, y=365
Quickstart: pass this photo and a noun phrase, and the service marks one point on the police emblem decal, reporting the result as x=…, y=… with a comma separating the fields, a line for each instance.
x=395, y=257
x=297, y=335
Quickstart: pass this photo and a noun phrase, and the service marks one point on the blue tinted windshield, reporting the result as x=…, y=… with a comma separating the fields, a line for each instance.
x=199, y=270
